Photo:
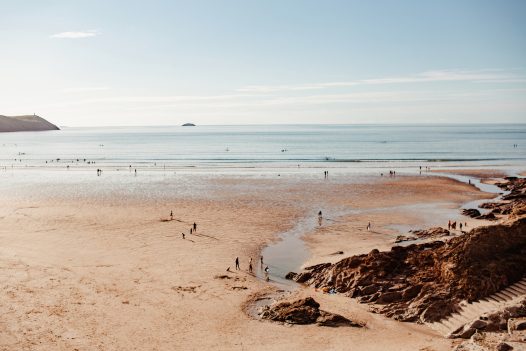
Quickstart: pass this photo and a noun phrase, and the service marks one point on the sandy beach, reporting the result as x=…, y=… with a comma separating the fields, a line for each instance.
x=113, y=273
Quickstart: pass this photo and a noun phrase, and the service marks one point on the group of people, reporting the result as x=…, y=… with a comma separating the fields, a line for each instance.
x=325, y=174
x=453, y=225
x=391, y=173
x=251, y=268
x=99, y=172
x=193, y=227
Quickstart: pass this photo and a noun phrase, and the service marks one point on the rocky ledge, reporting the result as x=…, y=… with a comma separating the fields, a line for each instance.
x=304, y=311
x=426, y=282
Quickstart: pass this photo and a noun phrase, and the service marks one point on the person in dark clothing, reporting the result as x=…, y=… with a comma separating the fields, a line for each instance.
x=237, y=263
x=195, y=227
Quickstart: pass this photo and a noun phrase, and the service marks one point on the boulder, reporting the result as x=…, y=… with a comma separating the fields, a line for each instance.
x=304, y=311
x=516, y=324
x=503, y=347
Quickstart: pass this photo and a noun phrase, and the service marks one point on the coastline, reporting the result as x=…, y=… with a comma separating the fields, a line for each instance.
x=81, y=265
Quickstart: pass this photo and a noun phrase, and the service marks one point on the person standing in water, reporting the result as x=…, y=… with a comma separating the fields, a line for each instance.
x=237, y=264
x=261, y=260
x=267, y=272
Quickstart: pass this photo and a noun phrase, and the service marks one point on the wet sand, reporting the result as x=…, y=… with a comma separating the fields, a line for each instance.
x=93, y=272
x=475, y=173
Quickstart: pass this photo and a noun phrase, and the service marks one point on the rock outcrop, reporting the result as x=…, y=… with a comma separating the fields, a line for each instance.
x=304, y=311
x=25, y=124
x=435, y=232
x=426, y=282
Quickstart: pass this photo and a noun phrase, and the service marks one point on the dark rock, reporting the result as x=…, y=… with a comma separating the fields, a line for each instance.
x=504, y=347
x=337, y=253
x=327, y=319
x=291, y=275
x=489, y=216
x=303, y=277
x=471, y=212
x=435, y=232
x=402, y=238
x=478, y=324
x=304, y=311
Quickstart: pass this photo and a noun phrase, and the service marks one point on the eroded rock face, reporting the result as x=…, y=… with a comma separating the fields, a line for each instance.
x=304, y=311
x=425, y=282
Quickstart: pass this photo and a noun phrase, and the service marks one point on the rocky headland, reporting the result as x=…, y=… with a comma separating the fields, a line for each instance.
x=426, y=282
x=27, y=123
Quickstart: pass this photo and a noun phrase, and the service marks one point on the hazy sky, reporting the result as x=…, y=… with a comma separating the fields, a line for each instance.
x=110, y=62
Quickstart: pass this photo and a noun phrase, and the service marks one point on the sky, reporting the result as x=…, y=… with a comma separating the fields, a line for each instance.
x=113, y=62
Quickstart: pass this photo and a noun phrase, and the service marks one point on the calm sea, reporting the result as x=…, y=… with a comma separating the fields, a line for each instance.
x=264, y=146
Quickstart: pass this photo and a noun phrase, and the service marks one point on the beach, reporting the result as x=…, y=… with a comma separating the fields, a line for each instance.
x=109, y=270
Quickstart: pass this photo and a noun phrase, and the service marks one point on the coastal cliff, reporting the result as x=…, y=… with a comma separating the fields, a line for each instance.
x=26, y=123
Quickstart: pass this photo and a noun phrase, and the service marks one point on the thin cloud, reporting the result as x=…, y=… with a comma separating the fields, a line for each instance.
x=84, y=89
x=485, y=76
x=75, y=35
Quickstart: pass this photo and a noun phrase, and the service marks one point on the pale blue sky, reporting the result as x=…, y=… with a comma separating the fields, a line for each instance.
x=81, y=63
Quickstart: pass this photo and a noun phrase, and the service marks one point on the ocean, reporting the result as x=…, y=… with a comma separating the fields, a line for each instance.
x=282, y=146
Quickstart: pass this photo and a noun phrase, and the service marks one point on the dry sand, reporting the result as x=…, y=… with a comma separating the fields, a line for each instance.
x=84, y=274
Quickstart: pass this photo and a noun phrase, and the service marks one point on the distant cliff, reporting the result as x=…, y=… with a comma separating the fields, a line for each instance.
x=25, y=124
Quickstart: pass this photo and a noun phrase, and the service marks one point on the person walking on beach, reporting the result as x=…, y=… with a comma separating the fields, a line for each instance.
x=195, y=227
x=237, y=264
x=460, y=226
x=171, y=215
x=261, y=260
x=449, y=225
x=320, y=217
x=190, y=230
x=369, y=226
x=182, y=235
x=250, y=265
